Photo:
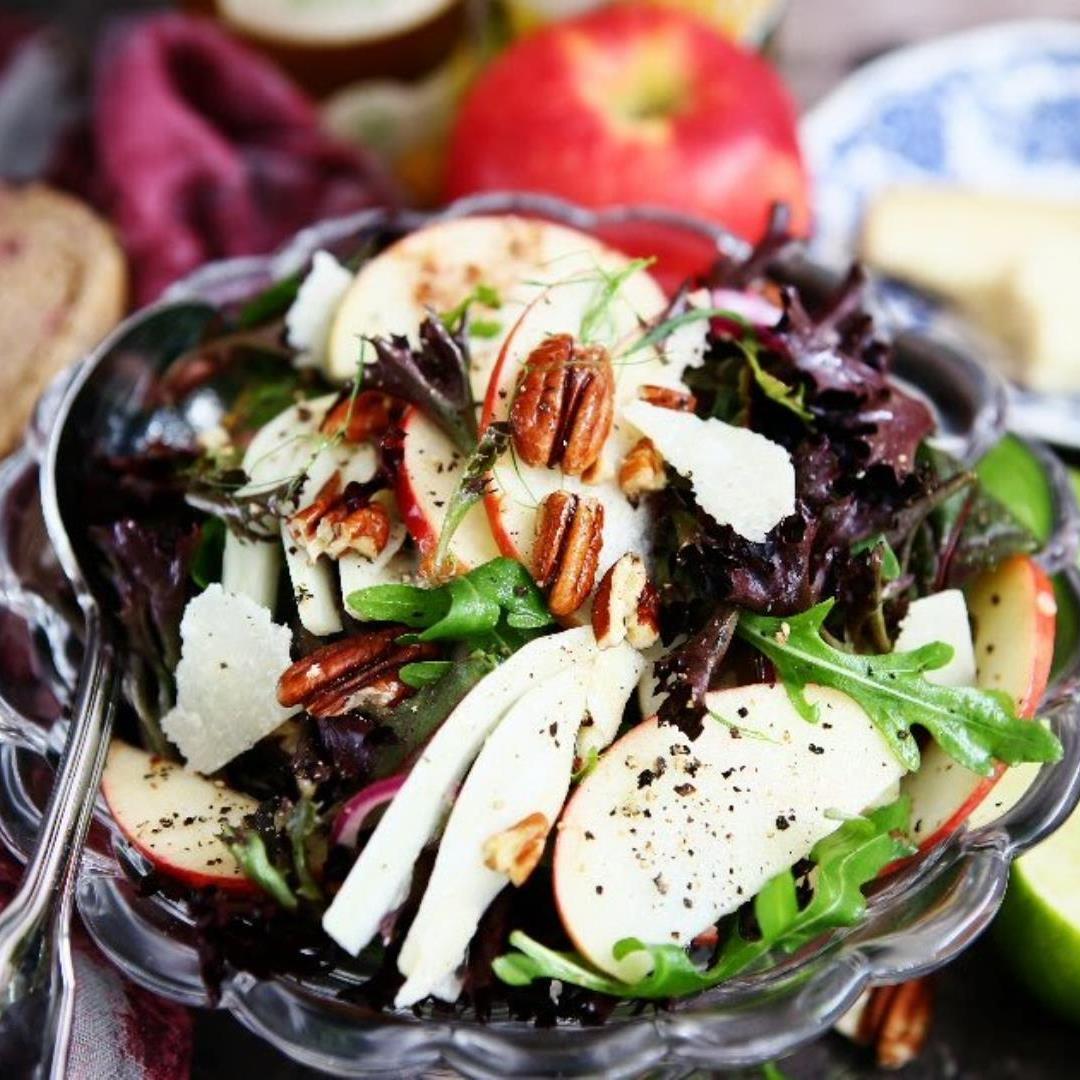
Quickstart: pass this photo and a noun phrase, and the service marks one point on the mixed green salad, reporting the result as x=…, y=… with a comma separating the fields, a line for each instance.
x=514, y=634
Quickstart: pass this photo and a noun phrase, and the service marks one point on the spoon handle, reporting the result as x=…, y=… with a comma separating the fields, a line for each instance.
x=36, y=975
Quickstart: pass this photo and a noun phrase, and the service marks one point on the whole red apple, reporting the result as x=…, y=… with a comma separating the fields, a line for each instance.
x=634, y=104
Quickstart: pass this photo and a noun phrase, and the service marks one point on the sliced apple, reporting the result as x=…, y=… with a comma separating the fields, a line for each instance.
x=668, y=835
x=1014, y=613
x=379, y=880
x=175, y=817
x=435, y=269
x=429, y=473
x=523, y=769
x=518, y=489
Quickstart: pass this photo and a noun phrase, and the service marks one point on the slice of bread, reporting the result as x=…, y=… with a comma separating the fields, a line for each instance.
x=63, y=286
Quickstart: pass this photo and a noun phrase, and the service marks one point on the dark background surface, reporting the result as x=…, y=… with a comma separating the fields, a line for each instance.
x=985, y=1026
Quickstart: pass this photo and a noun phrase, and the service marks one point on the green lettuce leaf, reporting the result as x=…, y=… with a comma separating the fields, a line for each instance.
x=975, y=727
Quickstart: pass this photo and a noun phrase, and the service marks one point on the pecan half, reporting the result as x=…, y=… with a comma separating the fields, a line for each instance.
x=360, y=672
x=665, y=397
x=642, y=470
x=565, y=405
x=339, y=521
x=569, y=536
x=516, y=851
x=895, y=1021
x=627, y=605
x=360, y=419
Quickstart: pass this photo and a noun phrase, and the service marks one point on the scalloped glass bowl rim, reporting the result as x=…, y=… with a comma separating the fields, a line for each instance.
x=917, y=920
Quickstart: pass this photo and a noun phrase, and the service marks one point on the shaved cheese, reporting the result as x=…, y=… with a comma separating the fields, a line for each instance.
x=614, y=676
x=308, y=321
x=226, y=682
x=523, y=769
x=941, y=617
x=379, y=879
x=740, y=478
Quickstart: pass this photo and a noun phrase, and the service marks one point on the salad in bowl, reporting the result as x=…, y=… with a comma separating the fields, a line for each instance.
x=519, y=637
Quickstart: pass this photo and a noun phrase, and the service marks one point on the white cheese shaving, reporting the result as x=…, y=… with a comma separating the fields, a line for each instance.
x=941, y=617
x=740, y=478
x=308, y=321
x=226, y=682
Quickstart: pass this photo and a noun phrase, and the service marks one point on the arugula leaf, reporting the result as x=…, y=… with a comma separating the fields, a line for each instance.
x=424, y=672
x=775, y=389
x=476, y=607
x=248, y=848
x=890, y=564
x=302, y=823
x=846, y=860
x=975, y=727
x=472, y=486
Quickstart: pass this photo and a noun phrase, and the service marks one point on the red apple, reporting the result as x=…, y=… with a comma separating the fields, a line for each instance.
x=1014, y=613
x=634, y=104
x=174, y=817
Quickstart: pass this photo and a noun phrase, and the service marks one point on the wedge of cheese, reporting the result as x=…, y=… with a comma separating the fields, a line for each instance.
x=1012, y=264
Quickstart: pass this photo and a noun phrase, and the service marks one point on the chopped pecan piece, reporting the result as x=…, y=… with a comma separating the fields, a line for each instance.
x=642, y=470
x=569, y=538
x=340, y=521
x=565, y=405
x=666, y=397
x=516, y=851
x=627, y=605
x=360, y=672
x=895, y=1022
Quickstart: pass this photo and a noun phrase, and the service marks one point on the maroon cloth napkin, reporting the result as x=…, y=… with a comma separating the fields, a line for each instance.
x=204, y=149
x=197, y=148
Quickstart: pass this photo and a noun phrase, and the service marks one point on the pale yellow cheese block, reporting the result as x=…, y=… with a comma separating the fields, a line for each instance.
x=1011, y=263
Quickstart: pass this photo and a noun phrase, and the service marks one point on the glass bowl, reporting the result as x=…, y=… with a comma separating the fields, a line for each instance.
x=917, y=920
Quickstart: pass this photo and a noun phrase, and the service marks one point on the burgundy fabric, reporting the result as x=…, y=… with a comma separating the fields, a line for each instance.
x=204, y=149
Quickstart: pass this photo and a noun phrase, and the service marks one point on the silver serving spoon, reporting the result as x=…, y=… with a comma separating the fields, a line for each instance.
x=102, y=411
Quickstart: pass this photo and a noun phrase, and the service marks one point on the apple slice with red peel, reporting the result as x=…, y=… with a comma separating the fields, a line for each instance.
x=666, y=835
x=424, y=484
x=518, y=489
x=174, y=817
x=1014, y=613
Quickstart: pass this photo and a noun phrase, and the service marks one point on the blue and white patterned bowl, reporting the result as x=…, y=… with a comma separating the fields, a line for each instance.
x=997, y=108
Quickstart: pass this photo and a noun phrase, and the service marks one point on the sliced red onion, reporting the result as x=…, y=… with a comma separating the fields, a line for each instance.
x=355, y=812
x=749, y=305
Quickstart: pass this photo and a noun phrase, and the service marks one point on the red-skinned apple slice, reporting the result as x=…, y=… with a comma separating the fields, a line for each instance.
x=1014, y=613
x=666, y=835
x=174, y=817
x=424, y=484
x=518, y=488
